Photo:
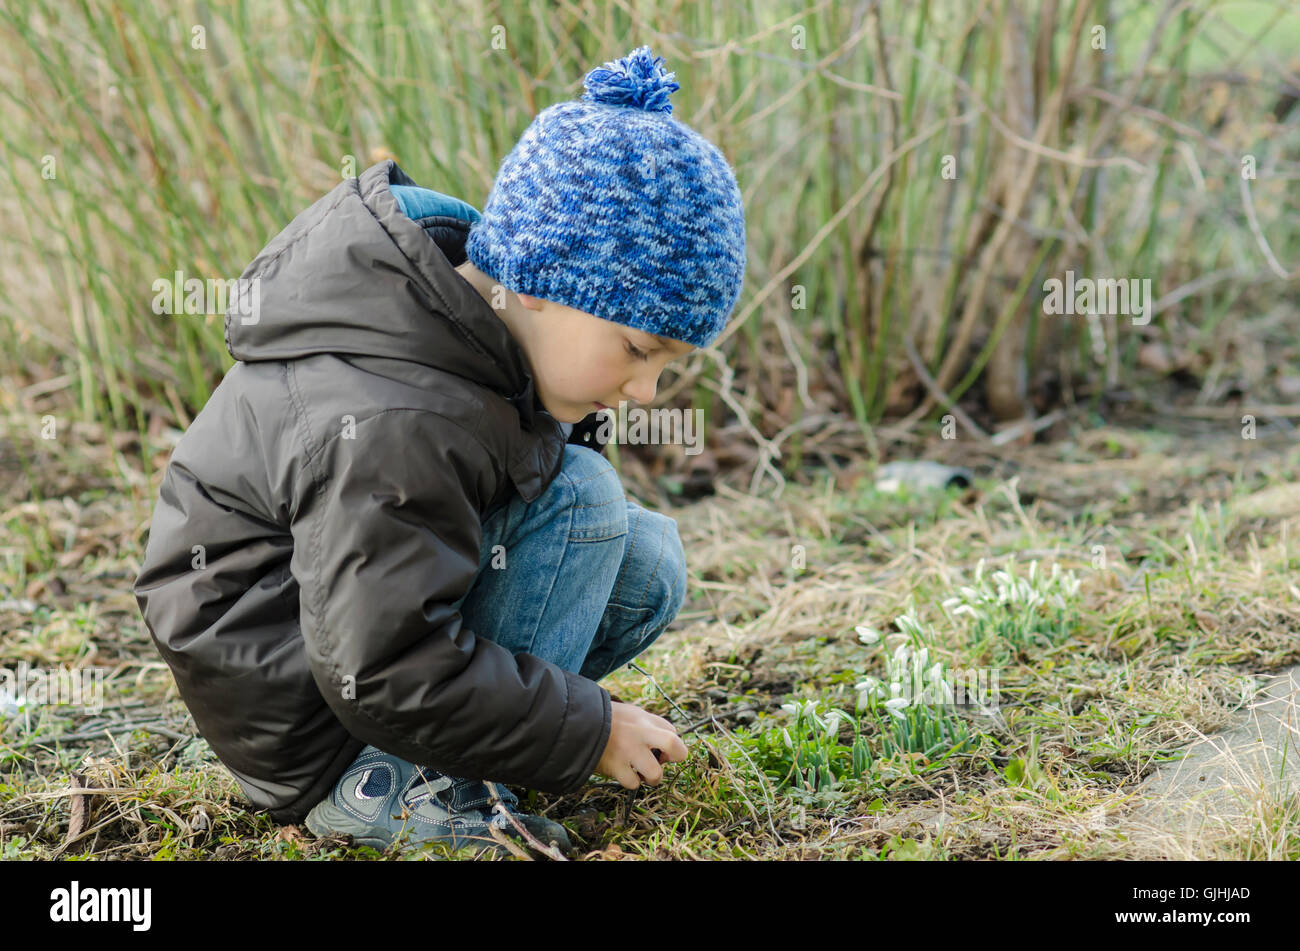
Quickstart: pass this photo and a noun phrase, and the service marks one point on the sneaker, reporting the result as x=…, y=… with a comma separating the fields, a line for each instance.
x=382, y=798
x=546, y=831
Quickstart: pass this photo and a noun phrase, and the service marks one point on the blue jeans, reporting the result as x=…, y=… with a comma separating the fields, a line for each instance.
x=581, y=576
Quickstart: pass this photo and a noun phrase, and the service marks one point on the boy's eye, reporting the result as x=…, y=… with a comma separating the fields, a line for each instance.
x=639, y=354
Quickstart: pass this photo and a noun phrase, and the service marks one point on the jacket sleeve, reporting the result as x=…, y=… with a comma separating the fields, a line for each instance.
x=385, y=547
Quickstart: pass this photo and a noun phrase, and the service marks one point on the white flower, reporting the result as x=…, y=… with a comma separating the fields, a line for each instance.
x=867, y=683
x=909, y=625
x=936, y=671
x=922, y=657
x=894, y=690
x=901, y=653
x=802, y=710
x=966, y=609
x=785, y=735
x=867, y=635
x=896, y=705
x=807, y=710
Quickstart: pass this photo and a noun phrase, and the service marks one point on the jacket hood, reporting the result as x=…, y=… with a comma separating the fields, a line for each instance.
x=353, y=274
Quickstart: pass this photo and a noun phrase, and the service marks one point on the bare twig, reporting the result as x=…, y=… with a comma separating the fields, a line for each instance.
x=1032, y=425
x=511, y=847
x=937, y=392
x=499, y=806
x=766, y=450
x=1258, y=232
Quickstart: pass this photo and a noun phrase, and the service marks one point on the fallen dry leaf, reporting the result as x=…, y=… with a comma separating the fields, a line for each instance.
x=80, y=808
x=290, y=834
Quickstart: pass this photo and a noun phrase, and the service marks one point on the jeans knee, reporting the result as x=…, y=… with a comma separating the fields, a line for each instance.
x=659, y=550
x=674, y=551
x=594, y=494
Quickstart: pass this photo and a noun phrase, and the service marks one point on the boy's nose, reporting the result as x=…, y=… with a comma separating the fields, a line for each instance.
x=642, y=390
x=641, y=394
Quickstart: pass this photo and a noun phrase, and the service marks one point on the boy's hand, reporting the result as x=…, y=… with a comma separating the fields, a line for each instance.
x=638, y=743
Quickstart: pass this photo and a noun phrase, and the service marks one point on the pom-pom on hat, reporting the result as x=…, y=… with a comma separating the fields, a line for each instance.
x=609, y=205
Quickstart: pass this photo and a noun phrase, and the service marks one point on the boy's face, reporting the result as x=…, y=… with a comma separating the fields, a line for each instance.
x=579, y=360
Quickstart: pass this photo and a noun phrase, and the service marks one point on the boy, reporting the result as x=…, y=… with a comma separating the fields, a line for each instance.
x=379, y=545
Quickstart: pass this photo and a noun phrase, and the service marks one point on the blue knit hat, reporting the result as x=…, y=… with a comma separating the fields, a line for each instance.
x=611, y=206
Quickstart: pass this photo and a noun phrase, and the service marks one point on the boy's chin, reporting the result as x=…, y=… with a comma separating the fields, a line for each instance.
x=572, y=415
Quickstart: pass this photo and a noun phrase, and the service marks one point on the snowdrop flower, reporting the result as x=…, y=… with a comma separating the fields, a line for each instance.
x=936, y=671
x=867, y=683
x=922, y=657
x=896, y=705
x=901, y=653
x=867, y=635
x=785, y=736
x=950, y=603
x=805, y=710
x=966, y=609
x=799, y=710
